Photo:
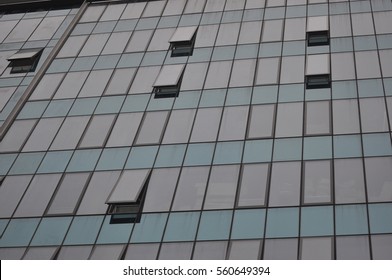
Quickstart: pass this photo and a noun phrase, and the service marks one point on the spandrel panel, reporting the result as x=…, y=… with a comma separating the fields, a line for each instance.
x=320, y=248
x=93, y=13
x=317, y=221
x=295, y=29
x=340, y=26
x=152, y=127
x=11, y=191
x=289, y=119
x=97, y=131
x=367, y=65
x=154, y=9
x=51, y=231
x=146, y=251
x=373, y=115
x=40, y=253
x=114, y=233
x=362, y=24
x=261, y=121
x=254, y=181
x=71, y=85
x=250, y=32
x=70, y=133
x=179, y=126
x=37, y=196
x=228, y=34
x=68, y=193
x=133, y=10
x=379, y=178
x=386, y=62
x=214, y=225
x=292, y=69
x=23, y=30
x=244, y=250
x=124, y=130
x=150, y=228
x=382, y=246
x=112, y=12
x=351, y=219
x=212, y=250
x=345, y=116
x=16, y=135
x=160, y=39
x=98, y=190
x=95, y=83
x=282, y=222
x=317, y=182
x=233, y=125
x=222, y=187
x=47, y=28
x=94, y=44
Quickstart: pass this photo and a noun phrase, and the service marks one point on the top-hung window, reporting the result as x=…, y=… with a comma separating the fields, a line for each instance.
x=318, y=71
x=317, y=32
x=182, y=41
x=168, y=82
x=24, y=60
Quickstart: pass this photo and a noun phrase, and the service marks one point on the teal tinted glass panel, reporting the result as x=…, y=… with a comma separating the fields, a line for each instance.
x=384, y=41
x=318, y=94
x=32, y=110
x=265, y=95
x=270, y=49
x=112, y=159
x=51, y=231
x=370, y=88
x=153, y=58
x=282, y=222
x=257, y=151
x=26, y=163
x=380, y=218
x=317, y=221
x=294, y=48
x=58, y=108
x=186, y=100
x=130, y=60
x=114, y=233
x=199, y=154
x=228, y=152
x=200, y=55
x=291, y=93
x=212, y=98
x=109, y=105
x=170, y=155
x=223, y=53
x=247, y=51
x=83, y=106
x=214, y=225
x=3, y=224
x=377, y=144
x=345, y=89
x=83, y=63
x=60, y=65
x=388, y=87
x=135, y=103
x=141, y=157
x=83, y=160
x=156, y=104
x=107, y=62
x=287, y=149
x=238, y=96
x=55, y=162
x=6, y=162
x=317, y=148
x=346, y=146
x=182, y=226
x=363, y=43
x=150, y=228
x=83, y=230
x=248, y=224
x=351, y=219
x=19, y=232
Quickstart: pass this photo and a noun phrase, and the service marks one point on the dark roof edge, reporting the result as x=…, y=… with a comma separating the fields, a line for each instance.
x=22, y=5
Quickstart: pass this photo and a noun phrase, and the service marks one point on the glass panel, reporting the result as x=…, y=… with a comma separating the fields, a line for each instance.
x=367, y=64
x=287, y=149
x=107, y=252
x=257, y=151
x=93, y=13
x=382, y=19
x=377, y=144
x=222, y=187
x=261, y=121
x=11, y=191
x=244, y=250
x=46, y=87
x=242, y=73
x=142, y=251
x=37, y=196
x=22, y=30
x=382, y=247
x=282, y=222
x=170, y=155
x=253, y=185
x=68, y=193
x=345, y=116
x=176, y=251
x=182, y=226
x=95, y=83
x=70, y=133
x=317, y=182
x=97, y=131
x=362, y=24
x=248, y=224
x=19, y=232
x=213, y=250
x=289, y=119
x=292, y=69
x=71, y=85
x=94, y=44
x=194, y=6
x=72, y=46
x=51, y=231
x=214, y=225
x=152, y=127
x=379, y=178
x=317, y=221
x=83, y=230
x=272, y=30
x=206, y=35
x=228, y=34
x=194, y=76
x=206, y=125
x=250, y=32
x=373, y=115
x=74, y=252
x=139, y=41
x=218, y=74
x=114, y=233
x=351, y=219
x=320, y=248
x=340, y=26
x=352, y=248
x=267, y=71
x=294, y=29
x=40, y=253
x=26, y=163
x=46, y=127
x=150, y=228
x=179, y=126
x=144, y=79
x=124, y=130
x=16, y=136
x=280, y=249
x=233, y=117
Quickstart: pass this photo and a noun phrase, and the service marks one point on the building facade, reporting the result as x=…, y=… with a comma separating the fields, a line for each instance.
x=196, y=129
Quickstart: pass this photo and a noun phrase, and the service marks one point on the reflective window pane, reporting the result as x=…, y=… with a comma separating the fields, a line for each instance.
x=317, y=182
x=320, y=248
x=254, y=181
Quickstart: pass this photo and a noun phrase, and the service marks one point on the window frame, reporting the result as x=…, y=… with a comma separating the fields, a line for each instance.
x=24, y=61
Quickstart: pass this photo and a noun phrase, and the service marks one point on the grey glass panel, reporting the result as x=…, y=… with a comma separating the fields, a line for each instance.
x=74, y=253
x=294, y=29
x=47, y=128
x=11, y=191
x=144, y=79
x=97, y=192
x=124, y=130
x=362, y=24
x=96, y=133
x=6, y=27
x=37, y=196
x=317, y=182
x=373, y=115
x=261, y=121
x=5, y=95
x=213, y=250
x=352, y=248
x=233, y=117
x=152, y=127
x=228, y=34
x=379, y=179
x=142, y=251
x=317, y=64
x=345, y=116
x=113, y=12
x=160, y=40
x=191, y=188
x=367, y=64
x=71, y=85
x=218, y=74
x=11, y=253
x=253, y=185
x=340, y=26
x=289, y=120
x=268, y=71
x=244, y=250
x=194, y=6
x=174, y=7
x=222, y=187
x=285, y=184
x=179, y=126
x=67, y=195
x=385, y=58
x=382, y=20
x=382, y=247
x=280, y=249
x=22, y=30
x=250, y=32
x=319, y=23
x=349, y=181
x=116, y=43
x=160, y=190
x=317, y=118
x=176, y=251
x=292, y=69
x=107, y=252
x=214, y=5
x=133, y=10
x=16, y=136
x=120, y=81
x=40, y=253
x=194, y=76
x=206, y=35
x=242, y=73
x=47, y=86
x=320, y=248
x=70, y=133
x=94, y=44
x=272, y=31
x=154, y=9
x=169, y=75
x=93, y=13
x=47, y=28
x=139, y=41
x=95, y=83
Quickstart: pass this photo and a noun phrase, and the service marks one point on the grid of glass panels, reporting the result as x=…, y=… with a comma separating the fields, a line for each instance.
x=252, y=164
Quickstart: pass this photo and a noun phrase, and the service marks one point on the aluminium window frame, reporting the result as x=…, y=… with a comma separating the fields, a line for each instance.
x=21, y=63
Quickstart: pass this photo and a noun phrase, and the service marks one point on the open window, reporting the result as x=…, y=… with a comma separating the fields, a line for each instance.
x=24, y=60
x=168, y=82
x=318, y=71
x=317, y=31
x=183, y=41
x=127, y=197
